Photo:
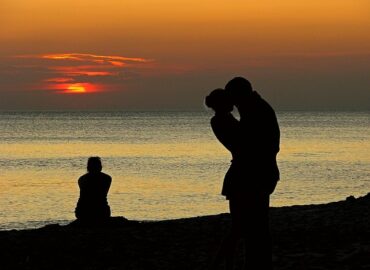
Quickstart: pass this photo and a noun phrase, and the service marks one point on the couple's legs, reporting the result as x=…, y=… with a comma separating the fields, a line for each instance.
x=226, y=252
x=258, y=246
x=250, y=221
x=228, y=246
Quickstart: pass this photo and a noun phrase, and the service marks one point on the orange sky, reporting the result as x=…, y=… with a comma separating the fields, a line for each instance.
x=193, y=47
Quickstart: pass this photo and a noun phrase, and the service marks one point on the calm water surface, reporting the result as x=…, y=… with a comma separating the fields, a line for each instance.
x=167, y=164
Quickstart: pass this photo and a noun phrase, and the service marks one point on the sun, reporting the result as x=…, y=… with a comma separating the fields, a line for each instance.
x=76, y=88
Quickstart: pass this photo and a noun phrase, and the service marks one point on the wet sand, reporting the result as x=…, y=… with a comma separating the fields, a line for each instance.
x=328, y=236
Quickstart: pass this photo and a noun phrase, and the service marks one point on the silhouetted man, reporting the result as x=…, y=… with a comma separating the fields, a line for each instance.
x=258, y=173
x=92, y=206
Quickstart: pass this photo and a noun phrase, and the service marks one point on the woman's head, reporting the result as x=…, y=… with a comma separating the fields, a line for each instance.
x=219, y=100
x=94, y=164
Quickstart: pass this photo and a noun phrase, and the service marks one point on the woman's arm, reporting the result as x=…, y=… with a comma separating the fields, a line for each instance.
x=227, y=132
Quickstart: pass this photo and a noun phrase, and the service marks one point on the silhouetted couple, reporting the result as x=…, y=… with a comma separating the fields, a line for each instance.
x=254, y=143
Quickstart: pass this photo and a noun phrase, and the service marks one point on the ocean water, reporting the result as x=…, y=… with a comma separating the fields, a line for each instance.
x=167, y=165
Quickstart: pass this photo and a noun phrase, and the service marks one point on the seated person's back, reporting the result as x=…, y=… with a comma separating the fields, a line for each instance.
x=93, y=205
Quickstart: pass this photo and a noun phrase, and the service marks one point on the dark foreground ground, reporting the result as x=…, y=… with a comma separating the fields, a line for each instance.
x=331, y=236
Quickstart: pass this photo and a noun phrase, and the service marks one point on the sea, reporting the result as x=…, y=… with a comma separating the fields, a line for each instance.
x=167, y=165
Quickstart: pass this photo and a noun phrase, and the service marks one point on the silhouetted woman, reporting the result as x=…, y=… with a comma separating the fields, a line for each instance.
x=92, y=206
x=227, y=130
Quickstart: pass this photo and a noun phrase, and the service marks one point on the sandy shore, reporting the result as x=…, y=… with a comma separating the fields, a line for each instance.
x=329, y=236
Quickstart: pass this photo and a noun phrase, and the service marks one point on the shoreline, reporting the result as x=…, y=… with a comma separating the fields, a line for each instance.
x=324, y=236
x=63, y=223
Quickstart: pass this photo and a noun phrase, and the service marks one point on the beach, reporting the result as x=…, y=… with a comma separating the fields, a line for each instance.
x=325, y=236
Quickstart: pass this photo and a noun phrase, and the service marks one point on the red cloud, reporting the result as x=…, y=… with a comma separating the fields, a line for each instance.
x=82, y=71
x=114, y=60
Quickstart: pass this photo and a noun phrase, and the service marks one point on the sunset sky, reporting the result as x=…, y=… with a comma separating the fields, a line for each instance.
x=150, y=55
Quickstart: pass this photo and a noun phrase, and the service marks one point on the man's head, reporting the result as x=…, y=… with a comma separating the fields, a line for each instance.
x=94, y=164
x=239, y=89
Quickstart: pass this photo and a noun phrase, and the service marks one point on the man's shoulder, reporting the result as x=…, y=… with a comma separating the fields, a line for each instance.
x=264, y=108
x=262, y=103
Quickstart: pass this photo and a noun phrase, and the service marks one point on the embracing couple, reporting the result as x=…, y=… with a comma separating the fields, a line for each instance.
x=254, y=143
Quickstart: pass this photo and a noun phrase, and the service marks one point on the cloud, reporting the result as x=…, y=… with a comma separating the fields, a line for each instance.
x=117, y=60
x=80, y=73
x=72, y=71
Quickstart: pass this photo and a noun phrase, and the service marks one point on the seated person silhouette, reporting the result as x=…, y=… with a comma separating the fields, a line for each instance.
x=92, y=206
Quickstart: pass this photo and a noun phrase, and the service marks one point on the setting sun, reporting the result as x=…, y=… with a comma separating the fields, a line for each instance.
x=76, y=88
